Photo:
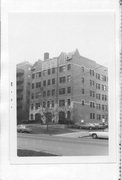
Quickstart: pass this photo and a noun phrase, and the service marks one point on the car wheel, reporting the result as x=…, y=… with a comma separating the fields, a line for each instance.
x=94, y=136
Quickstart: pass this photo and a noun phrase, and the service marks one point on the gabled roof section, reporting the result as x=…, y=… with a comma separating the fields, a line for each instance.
x=37, y=65
x=70, y=54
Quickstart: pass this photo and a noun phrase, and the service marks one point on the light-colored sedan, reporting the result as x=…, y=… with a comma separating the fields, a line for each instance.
x=99, y=134
x=23, y=129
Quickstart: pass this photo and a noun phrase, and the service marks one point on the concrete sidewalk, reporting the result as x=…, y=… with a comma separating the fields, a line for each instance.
x=74, y=134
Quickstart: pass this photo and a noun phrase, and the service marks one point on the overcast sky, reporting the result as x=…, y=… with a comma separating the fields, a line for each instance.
x=32, y=34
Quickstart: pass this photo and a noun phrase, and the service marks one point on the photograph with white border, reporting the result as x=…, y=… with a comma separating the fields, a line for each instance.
x=60, y=65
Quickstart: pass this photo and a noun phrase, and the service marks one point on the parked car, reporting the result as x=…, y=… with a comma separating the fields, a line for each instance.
x=23, y=129
x=75, y=126
x=99, y=134
x=88, y=126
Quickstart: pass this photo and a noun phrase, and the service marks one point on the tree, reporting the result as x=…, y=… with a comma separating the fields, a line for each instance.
x=48, y=116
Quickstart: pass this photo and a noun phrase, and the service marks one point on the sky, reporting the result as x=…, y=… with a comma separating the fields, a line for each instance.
x=32, y=34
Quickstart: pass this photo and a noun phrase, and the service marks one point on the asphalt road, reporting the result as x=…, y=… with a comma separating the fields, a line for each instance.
x=64, y=146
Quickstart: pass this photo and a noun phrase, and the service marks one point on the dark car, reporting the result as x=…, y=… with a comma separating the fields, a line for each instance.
x=88, y=126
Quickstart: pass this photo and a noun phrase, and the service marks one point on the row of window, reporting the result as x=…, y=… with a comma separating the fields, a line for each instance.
x=97, y=116
x=98, y=96
x=98, y=86
x=63, y=80
x=38, y=84
x=96, y=105
x=51, y=92
x=50, y=71
x=51, y=81
x=63, y=68
x=99, y=106
x=98, y=76
x=50, y=104
x=101, y=97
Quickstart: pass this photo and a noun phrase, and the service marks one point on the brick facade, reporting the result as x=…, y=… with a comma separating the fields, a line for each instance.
x=69, y=86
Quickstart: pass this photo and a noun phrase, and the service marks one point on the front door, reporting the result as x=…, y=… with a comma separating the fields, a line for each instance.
x=61, y=117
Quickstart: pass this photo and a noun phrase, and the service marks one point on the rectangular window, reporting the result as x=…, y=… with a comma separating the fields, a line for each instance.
x=68, y=102
x=91, y=93
x=91, y=83
x=44, y=93
x=53, y=70
x=53, y=92
x=97, y=76
x=49, y=71
x=98, y=117
x=97, y=106
x=37, y=105
x=39, y=74
x=48, y=104
x=82, y=68
x=31, y=106
x=44, y=83
x=62, y=91
x=44, y=72
x=91, y=72
x=32, y=96
x=61, y=103
x=44, y=104
x=69, y=67
x=92, y=104
x=48, y=93
x=105, y=97
x=62, y=79
x=48, y=82
x=106, y=108
x=97, y=86
x=104, y=87
x=53, y=81
x=33, y=76
x=32, y=85
x=61, y=68
x=104, y=78
x=37, y=95
x=83, y=102
x=37, y=85
x=68, y=90
x=98, y=96
x=52, y=103
x=68, y=78
x=103, y=107
x=92, y=115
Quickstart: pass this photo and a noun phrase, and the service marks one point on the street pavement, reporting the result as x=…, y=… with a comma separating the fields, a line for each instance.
x=63, y=145
x=74, y=134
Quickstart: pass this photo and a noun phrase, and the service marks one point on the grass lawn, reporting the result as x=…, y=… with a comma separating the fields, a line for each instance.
x=50, y=131
x=23, y=152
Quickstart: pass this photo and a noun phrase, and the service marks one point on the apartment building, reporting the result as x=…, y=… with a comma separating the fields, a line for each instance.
x=23, y=77
x=69, y=87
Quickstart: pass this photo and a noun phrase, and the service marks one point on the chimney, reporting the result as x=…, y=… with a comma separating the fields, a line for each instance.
x=46, y=55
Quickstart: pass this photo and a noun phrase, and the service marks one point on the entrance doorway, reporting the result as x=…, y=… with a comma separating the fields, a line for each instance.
x=38, y=117
x=61, y=117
